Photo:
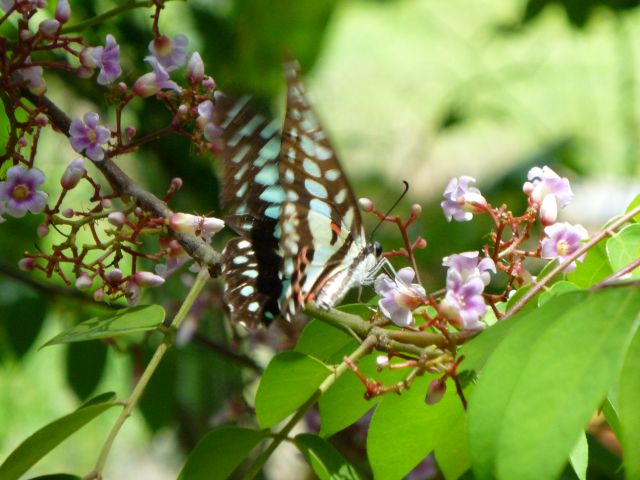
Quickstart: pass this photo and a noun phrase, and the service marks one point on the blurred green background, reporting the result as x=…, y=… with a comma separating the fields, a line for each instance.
x=420, y=90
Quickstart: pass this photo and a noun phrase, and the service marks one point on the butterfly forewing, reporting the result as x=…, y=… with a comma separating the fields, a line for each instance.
x=321, y=226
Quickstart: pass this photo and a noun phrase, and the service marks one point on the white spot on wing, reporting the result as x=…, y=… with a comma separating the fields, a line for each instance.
x=341, y=196
x=311, y=168
x=244, y=244
x=253, y=307
x=267, y=175
x=320, y=207
x=289, y=176
x=332, y=175
x=242, y=151
x=240, y=259
x=316, y=189
x=246, y=290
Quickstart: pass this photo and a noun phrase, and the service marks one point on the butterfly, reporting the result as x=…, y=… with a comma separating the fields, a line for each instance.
x=301, y=238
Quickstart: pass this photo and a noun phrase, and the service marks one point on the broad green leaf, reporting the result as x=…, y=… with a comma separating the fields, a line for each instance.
x=404, y=429
x=122, y=322
x=85, y=362
x=322, y=341
x=289, y=380
x=29, y=452
x=611, y=415
x=324, y=459
x=579, y=457
x=220, y=452
x=555, y=290
x=624, y=248
x=515, y=298
x=22, y=312
x=594, y=268
x=634, y=204
x=544, y=381
x=629, y=405
x=452, y=451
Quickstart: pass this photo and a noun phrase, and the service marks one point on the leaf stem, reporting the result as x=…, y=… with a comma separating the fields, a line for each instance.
x=282, y=435
x=138, y=390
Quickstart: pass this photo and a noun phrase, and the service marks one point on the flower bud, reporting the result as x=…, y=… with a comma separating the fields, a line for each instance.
x=67, y=212
x=176, y=183
x=195, y=69
x=73, y=174
x=138, y=212
x=49, y=27
x=122, y=87
x=26, y=35
x=22, y=142
x=186, y=223
x=42, y=120
x=416, y=210
x=436, y=390
x=27, y=264
x=105, y=203
x=146, y=85
x=63, y=11
x=147, y=279
x=549, y=210
x=84, y=72
x=42, y=230
x=117, y=219
x=209, y=83
x=83, y=282
x=114, y=276
x=98, y=295
x=382, y=362
x=366, y=204
x=130, y=132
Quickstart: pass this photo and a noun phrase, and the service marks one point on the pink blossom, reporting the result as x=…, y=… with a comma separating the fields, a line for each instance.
x=88, y=136
x=171, y=54
x=399, y=297
x=107, y=58
x=462, y=200
x=563, y=239
x=19, y=192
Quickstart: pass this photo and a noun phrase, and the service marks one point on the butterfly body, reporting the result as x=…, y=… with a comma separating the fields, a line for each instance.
x=301, y=235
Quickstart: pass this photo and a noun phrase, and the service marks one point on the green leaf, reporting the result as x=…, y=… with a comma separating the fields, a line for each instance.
x=124, y=322
x=323, y=341
x=539, y=388
x=634, y=204
x=555, y=290
x=452, y=451
x=85, y=364
x=220, y=452
x=22, y=319
x=594, y=268
x=29, y=452
x=629, y=405
x=515, y=298
x=579, y=457
x=56, y=476
x=624, y=248
x=324, y=459
x=289, y=380
x=404, y=429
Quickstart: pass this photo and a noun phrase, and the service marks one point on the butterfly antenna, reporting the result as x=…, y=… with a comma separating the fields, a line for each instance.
x=406, y=189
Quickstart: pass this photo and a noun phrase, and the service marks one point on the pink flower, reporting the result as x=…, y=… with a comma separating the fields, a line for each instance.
x=171, y=54
x=547, y=190
x=73, y=174
x=152, y=82
x=33, y=77
x=462, y=200
x=186, y=223
x=19, y=192
x=399, y=296
x=195, y=68
x=107, y=58
x=563, y=239
x=88, y=136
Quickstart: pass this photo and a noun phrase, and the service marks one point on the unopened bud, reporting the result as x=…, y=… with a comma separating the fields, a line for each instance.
x=209, y=83
x=176, y=183
x=105, y=202
x=98, y=295
x=420, y=243
x=436, y=390
x=528, y=188
x=146, y=85
x=549, y=210
x=42, y=120
x=183, y=111
x=195, y=69
x=382, y=361
x=114, y=276
x=117, y=219
x=83, y=282
x=416, y=210
x=130, y=132
x=49, y=27
x=63, y=11
x=25, y=35
x=67, y=212
x=186, y=223
x=147, y=279
x=22, y=142
x=27, y=264
x=73, y=174
x=42, y=230
x=366, y=204
x=138, y=212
